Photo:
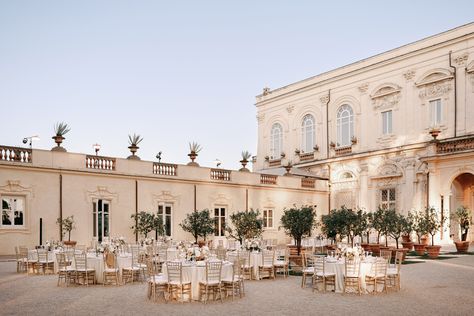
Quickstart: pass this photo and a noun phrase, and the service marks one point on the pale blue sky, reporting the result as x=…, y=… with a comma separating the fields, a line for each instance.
x=181, y=71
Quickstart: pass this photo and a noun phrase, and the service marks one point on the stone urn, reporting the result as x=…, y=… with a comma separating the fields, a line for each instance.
x=133, y=149
x=462, y=246
x=366, y=246
x=420, y=249
x=433, y=251
x=244, y=163
x=192, y=155
x=58, y=139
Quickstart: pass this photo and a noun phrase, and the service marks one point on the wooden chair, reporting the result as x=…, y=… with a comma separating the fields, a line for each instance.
x=387, y=255
x=378, y=275
x=282, y=261
x=213, y=282
x=221, y=253
x=352, y=274
x=31, y=260
x=82, y=271
x=156, y=282
x=247, y=268
x=111, y=270
x=176, y=284
x=268, y=258
x=44, y=261
x=393, y=274
x=321, y=275
x=235, y=284
x=131, y=272
x=308, y=267
x=65, y=271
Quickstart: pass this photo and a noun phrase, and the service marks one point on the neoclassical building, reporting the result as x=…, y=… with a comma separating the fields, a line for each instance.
x=393, y=130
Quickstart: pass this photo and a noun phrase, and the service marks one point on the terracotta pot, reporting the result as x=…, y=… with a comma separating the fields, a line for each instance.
x=244, y=164
x=408, y=245
x=366, y=247
x=331, y=247
x=71, y=243
x=462, y=246
x=433, y=251
x=375, y=248
x=133, y=150
x=406, y=238
x=420, y=249
x=193, y=157
x=384, y=248
x=425, y=240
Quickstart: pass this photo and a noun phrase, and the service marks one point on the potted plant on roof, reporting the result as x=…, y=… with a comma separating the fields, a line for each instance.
x=134, y=141
x=462, y=216
x=66, y=225
x=60, y=129
x=433, y=225
x=288, y=167
x=194, y=149
x=407, y=231
x=245, y=160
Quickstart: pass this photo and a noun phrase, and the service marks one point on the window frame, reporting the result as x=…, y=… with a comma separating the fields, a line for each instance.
x=308, y=132
x=220, y=220
x=345, y=125
x=165, y=216
x=276, y=141
x=386, y=205
x=436, y=112
x=12, y=225
x=266, y=218
x=387, y=122
x=105, y=215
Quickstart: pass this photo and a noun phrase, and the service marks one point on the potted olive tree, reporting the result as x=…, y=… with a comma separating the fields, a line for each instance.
x=420, y=228
x=299, y=222
x=377, y=224
x=66, y=225
x=246, y=225
x=199, y=224
x=407, y=231
x=462, y=216
x=433, y=225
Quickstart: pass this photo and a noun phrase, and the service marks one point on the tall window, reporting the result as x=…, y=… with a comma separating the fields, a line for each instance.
x=307, y=130
x=387, y=122
x=13, y=211
x=165, y=212
x=436, y=112
x=345, y=125
x=100, y=219
x=267, y=218
x=388, y=199
x=276, y=140
x=219, y=221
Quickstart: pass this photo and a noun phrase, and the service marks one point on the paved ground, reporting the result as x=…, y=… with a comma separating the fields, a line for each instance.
x=444, y=287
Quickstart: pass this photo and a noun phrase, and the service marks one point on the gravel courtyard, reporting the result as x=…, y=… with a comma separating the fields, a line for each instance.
x=443, y=287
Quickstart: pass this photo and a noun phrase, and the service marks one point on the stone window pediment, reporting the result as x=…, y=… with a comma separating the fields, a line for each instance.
x=434, y=77
x=386, y=96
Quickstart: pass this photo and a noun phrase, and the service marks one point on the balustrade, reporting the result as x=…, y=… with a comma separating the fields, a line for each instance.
x=15, y=154
x=100, y=162
x=165, y=169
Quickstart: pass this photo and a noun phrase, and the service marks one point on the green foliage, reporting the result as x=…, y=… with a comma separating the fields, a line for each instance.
x=345, y=223
x=198, y=223
x=146, y=222
x=299, y=222
x=67, y=225
x=134, y=140
x=432, y=222
x=247, y=225
x=246, y=155
x=378, y=222
x=194, y=147
x=462, y=216
x=398, y=223
x=419, y=225
x=61, y=129
x=409, y=224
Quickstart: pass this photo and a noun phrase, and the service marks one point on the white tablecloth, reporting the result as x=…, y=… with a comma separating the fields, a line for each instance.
x=338, y=268
x=197, y=272
x=255, y=261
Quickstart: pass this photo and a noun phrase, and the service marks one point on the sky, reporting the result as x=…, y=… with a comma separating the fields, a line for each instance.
x=182, y=71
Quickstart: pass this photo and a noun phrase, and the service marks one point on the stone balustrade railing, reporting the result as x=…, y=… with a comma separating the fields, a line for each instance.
x=268, y=179
x=165, y=169
x=307, y=182
x=100, y=162
x=15, y=154
x=455, y=145
x=220, y=174
x=343, y=150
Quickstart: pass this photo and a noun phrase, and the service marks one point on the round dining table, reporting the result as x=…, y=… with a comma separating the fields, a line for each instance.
x=337, y=266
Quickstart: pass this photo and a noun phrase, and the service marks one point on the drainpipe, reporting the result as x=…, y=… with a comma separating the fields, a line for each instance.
x=329, y=188
x=61, y=206
x=327, y=123
x=428, y=189
x=455, y=95
x=136, y=209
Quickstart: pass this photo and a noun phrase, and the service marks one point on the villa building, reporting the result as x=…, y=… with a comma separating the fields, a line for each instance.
x=394, y=130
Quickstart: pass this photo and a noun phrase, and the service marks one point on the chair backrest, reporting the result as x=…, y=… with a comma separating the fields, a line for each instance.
x=42, y=255
x=221, y=253
x=386, y=254
x=213, y=271
x=110, y=260
x=23, y=252
x=282, y=254
x=268, y=256
x=61, y=260
x=151, y=268
x=233, y=256
x=380, y=266
x=398, y=260
x=308, y=260
x=163, y=253
x=80, y=260
x=174, y=271
x=352, y=267
x=319, y=264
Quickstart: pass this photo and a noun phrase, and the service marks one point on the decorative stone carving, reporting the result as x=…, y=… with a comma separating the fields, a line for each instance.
x=409, y=74
x=101, y=193
x=260, y=117
x=14, y=186
x=266, y=91
x=434, y=90
x=290, y=108
x=461, y=60
x=363, y=87
x=324, y=99
x=386, y=97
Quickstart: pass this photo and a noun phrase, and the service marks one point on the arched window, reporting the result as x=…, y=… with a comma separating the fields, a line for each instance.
x=345, y=125
x=307, y=131
x=276, y=140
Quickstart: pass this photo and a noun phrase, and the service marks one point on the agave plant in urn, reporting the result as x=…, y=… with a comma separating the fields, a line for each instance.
x=134, y=141
x=245, y=160
x=60, y=129
x=194, y=149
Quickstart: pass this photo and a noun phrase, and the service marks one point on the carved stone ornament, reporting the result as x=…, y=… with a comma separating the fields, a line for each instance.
x=363, y=87
x=409, y=74
x=290, y=108
x=386, y=97
x=470, y=73
x=102, y=193
x=266, y=91
x=260, y=117
x=461, y=60
x=14, y=187
x=324, y=99
x=434, y=90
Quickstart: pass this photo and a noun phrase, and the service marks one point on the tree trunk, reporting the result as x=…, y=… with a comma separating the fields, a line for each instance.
x=396, y=241
x=298, y=245
x=69, y=236
x=432, y=240
x=386, y=240
x=378, y=237
x=368, y=237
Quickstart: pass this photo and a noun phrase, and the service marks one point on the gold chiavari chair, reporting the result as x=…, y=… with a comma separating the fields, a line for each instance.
x=65, y=271
x=82, y=271
x=213, y=282
x=268, y=258
x=282, y=261
x=352, y=274
x=378, y=275
x=393, y=274
x=235, y=284
x=156, y=281
x=111, y=269
x=308, y=267
x=321, y=275
x=177, y=287
x=45, y=262
x=387, y=255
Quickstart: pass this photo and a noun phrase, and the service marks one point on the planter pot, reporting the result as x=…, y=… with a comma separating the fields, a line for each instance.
x=375, y=248
x=133, y=150
x=58, y=140
x=330, y=247
x=402, y=250
x=420, y=249
x=408, y=245
x=384, y=248
x=70, y=243
x=201, y=243
x=433, y=251
x=406, y=238
x=462, y=246
x=366, y=247
x=193, y=156
x=425, y=240
x=244, y=164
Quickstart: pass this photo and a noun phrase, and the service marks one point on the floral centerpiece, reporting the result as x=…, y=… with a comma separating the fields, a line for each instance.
x=352, y=252
x=197, y=253
x=253, y=244
x=53, y=244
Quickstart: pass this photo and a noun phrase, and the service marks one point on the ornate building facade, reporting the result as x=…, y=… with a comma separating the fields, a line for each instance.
x=393, y=130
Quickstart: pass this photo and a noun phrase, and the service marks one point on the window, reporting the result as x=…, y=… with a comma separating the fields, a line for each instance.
x=388, y=199
x=165, y=212
x=276, y=141
x=100, y=219
x=307, y=131
x=345, y=125
x=267, y=218
x=219, y=221
x=13, y=211
x=387, y=122
x=436, y=112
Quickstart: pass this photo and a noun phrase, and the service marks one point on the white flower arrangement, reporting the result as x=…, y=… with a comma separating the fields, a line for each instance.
x=352, y=253
x=253, y=244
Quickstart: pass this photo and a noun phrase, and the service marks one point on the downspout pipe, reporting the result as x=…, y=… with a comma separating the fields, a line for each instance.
x=455, y=95
x=327, y=123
